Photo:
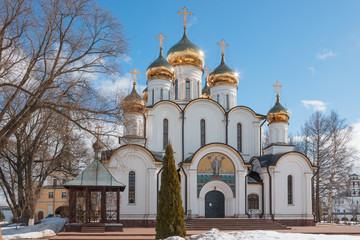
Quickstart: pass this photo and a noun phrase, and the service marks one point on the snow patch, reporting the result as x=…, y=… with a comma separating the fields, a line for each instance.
x=47, y=227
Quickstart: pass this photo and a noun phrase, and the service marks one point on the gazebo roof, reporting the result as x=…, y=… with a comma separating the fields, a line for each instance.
x=95, y=175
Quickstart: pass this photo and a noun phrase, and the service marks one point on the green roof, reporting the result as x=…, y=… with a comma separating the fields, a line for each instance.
x=95, y=175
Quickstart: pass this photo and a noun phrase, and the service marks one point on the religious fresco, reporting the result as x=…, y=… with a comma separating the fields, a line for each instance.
x=215, y=166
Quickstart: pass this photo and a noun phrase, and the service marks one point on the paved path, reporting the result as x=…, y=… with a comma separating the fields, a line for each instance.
x=149, y=233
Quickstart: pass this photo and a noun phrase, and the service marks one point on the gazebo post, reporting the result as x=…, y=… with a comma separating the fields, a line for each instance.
x=118, y=205
x=72, y=205
x=103, y=204
x=87, y=204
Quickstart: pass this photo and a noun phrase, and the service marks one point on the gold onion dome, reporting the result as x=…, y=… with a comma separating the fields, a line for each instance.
x=98, y=145
x=133, y=103
x=160, y=68
x=145, y=94
x=206, y=91
x=278, y=113
x=223, y=75
x=185, y=53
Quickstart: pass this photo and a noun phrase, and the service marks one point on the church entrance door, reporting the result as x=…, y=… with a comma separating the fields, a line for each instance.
x=214, y=204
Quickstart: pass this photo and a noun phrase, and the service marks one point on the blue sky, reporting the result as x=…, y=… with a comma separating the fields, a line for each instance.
x=311, y=47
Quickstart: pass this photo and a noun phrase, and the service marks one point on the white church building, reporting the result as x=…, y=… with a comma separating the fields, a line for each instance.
x=223, y=170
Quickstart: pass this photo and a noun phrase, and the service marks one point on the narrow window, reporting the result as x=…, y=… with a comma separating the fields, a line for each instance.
x=165, y=132
x=51, y=195
x=54, y=182
x=202, y=132
x=187, y=93
x=169, y=95
x=63, y=194
x=131, y=187
x=239, y=137
x=198, y=92
x=152, y=97
x=217, y=98
x=176, y=89
x=290, y=189
x=253, y=201
x=161, y=94
x=227, y=102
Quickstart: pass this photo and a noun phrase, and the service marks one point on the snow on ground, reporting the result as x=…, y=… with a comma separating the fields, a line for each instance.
x=47, y=227
x=214, y=234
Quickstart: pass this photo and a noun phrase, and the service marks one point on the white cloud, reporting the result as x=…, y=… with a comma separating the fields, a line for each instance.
x=126, y=58
x=325, y=54
x=312, y=69
x=315, y=105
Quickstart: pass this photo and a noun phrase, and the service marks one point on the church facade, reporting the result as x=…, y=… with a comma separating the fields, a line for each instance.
x=224, y=171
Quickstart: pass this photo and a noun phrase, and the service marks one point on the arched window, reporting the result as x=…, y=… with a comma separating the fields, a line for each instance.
x=239, y=137
x=290, y=189
x=187, y=91
x=176, y=89
x=131, y=187
x=161, y=94
x=169, y=95
x=165, y=132
x=253, y=201
x=152, y=97
x=227, y=102
x=202, y=132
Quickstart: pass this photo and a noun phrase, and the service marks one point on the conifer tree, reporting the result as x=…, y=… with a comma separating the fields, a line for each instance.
x=170, y=213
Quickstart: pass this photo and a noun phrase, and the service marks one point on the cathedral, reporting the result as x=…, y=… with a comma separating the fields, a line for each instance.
x=223, y=169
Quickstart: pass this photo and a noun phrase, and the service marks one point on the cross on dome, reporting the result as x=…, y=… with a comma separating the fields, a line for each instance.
x=97, y=130
x=161, y=38
x=135, y=72
x=207, y=70
x=222, y=44
x=184, y=13
x=278, y=86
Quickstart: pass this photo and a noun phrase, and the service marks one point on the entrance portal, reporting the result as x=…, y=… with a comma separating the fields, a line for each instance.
x=214, y=204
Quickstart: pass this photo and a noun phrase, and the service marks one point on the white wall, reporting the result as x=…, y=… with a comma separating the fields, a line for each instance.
x=156, y=85
x=250, y=132
x=223, y=91
x=182, y=72
x=214, y=124
x=154, y=128
x=133, y=158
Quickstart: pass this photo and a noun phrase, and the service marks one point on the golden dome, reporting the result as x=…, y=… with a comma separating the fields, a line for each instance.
x=278, y=113
x=160, y=68
x=185, y=53
x=223, y=75
x=133, y=103
x=145, y=94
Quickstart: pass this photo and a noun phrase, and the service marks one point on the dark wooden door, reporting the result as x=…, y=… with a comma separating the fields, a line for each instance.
x=214, y=204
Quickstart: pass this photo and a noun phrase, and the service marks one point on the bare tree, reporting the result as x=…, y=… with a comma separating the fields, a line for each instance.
x=340, y=157
x=314, y=145
x=55, y=45
x=39, y=147
x=49, y=52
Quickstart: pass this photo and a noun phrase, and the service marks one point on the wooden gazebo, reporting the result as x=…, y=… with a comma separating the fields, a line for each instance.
x=94, y=200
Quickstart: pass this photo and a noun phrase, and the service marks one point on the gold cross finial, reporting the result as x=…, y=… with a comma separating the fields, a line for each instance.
x=161, y=38
x=207, y=70
x=278, y=86
x=135, y=72
x=222, y=44
x=97, y=130
x=184, y=17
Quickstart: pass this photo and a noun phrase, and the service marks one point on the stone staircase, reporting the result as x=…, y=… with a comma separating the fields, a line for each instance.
x=233, y=224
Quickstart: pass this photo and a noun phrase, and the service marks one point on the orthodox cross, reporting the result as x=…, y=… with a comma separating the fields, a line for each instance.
x=278, y=86
x=161, y=38
x=206, y=69
x=222, y=44
x=135, y=72
x=97, y=130
x=184, y=17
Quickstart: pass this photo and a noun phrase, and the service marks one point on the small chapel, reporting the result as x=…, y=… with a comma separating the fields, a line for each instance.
x=223, y=168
